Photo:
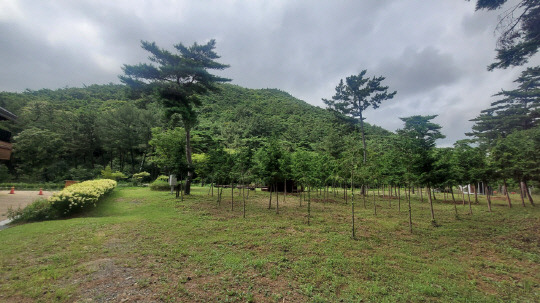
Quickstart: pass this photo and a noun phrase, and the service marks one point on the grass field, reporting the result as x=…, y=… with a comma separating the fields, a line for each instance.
x=144, y=246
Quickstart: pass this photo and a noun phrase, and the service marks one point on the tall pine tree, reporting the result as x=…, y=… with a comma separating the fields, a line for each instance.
x=178, y=79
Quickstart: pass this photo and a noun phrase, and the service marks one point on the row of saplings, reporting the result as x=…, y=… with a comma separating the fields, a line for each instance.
x=366, y=193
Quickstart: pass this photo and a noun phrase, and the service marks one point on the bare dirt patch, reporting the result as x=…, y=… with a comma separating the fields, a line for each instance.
x=110, y=281
x=19, y=199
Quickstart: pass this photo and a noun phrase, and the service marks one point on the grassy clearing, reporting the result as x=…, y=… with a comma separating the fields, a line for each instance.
x=141, y=245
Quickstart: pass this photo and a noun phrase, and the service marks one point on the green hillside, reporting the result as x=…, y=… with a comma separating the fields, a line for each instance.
x=79, y=131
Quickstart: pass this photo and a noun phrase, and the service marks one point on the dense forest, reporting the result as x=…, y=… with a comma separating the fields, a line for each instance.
x=74, y=133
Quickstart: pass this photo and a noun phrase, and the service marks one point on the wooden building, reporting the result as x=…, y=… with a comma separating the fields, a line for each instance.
x=5, y=136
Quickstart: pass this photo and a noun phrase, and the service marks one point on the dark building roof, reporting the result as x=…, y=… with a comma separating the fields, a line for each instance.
x=6, y=115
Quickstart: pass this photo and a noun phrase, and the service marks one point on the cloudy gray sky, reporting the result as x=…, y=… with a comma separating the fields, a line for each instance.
x=434, y=53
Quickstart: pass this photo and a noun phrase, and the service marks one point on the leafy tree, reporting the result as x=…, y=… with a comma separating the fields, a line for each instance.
x=517, y=157
x=126, y=131
x=167, y=150
x=303, y=166
x=269, y=165
x=519, y=109
x=39, y=153
x=356, y=95
x=421, y=135
x=519, y=28
x=467, y=160
x=178, y=80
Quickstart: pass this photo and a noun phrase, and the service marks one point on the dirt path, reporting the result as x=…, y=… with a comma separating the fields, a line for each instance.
x=19, y=199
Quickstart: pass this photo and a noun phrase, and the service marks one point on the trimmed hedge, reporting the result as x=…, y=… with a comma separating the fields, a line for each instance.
x=161, y=183
x=80, y=195
x=70, y=200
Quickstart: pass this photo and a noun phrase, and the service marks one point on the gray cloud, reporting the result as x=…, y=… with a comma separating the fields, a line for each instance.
x=417, y=71
x=434, y=53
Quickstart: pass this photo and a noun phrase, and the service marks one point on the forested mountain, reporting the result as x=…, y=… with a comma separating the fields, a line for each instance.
x=73, y=133
x=235, y=113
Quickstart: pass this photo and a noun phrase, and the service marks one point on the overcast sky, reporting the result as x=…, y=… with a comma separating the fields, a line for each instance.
x=434, y=53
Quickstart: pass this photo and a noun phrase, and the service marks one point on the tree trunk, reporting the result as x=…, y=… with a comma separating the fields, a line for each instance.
x=374, y=204
x=364, y=193
x=140, y=167
x=277, y=200
x=232, y=196
x=421, y=196
x=309, y=205
x=430, y=204
x=270, y=202
x=521, y=193
x=399, y=198
x=352, y=213
x=300, y=195
x=181, y=193
x=528, y=193
x=488, y=196
x=410, y=210
x=453, y=200
x=469, y=197
x=363, y=137
x=284, y=191
x=433, y=192
x=507, y=193
x=189, y=161
x=475, y=194
x=244, y=200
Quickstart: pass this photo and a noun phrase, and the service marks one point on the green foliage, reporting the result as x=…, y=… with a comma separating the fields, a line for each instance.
x=39, y=210
x=161, y=183
x=271, y=163
x=4, y=173
x=169, y=150
x=79, y=196
x=66, y=202
x=356, y=95
x=107, y=173
x=519, y=109
x=417, y=144
x=177, y=79
x=519, y=31
x=141, y=177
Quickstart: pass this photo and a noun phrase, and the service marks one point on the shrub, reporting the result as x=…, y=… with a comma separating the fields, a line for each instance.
x=65, y=202
x=161, y=183
x=81, y=195
x=141, y=177
x=38, y=210
x=107, y=173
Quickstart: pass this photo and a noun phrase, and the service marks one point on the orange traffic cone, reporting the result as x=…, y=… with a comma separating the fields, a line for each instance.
x=12, y=190
x=41, y=192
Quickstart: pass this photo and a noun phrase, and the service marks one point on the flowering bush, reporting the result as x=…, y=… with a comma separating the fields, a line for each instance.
x=80, y=195
x=67, y=201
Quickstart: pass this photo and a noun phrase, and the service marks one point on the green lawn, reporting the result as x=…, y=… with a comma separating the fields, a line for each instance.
x=139, y=245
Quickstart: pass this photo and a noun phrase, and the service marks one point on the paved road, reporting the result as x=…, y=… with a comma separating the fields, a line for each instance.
x=19, y=199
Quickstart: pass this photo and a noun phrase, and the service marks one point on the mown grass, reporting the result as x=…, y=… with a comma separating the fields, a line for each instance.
x=140, y=245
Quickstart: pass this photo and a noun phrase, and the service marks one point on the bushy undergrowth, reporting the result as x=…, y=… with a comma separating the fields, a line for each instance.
x=161, y=183
x=70, y=200
x=39, y=210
